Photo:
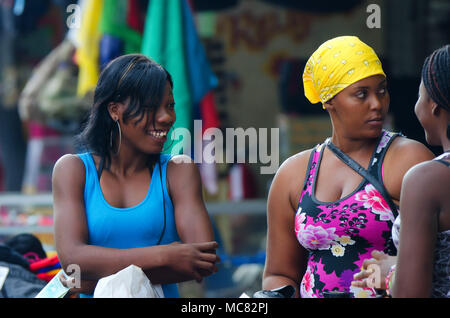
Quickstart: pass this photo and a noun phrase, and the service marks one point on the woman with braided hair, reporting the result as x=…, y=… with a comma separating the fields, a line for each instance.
x=423, y=263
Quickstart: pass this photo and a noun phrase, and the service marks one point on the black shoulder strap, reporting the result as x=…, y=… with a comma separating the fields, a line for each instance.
x=443, y=162
x=363, y=172
x=164, y=202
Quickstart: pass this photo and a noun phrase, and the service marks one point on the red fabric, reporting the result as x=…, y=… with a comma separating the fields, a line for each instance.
x=191, y=5
x=38, y=131
x=208, y=111
x=46, y=277
x=49, y=261
x=135, y=17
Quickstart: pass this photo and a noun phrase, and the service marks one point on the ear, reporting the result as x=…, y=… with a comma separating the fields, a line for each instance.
x=113, y=109
x=328, y=105
x=435, y=109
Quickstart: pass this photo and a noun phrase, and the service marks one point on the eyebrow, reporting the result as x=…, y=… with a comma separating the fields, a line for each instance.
x=367, y=87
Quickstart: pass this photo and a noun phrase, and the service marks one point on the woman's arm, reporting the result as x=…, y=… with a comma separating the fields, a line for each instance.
x=285, y=259
x=185, y=189
x=419, y=205
x=191, y=217
x=164, y=263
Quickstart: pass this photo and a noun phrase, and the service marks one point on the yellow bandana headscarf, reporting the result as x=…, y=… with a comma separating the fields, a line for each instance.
x=336, y=64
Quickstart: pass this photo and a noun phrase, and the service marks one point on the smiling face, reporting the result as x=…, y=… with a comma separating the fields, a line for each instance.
x=148, y=133
x=359, y=110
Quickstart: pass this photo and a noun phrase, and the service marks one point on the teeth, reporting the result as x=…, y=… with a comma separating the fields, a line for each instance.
x=158, y=134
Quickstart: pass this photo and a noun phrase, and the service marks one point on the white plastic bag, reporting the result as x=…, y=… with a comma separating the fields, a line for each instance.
x=130, y=282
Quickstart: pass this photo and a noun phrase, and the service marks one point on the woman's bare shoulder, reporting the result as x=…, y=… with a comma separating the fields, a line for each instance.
x=428, y=173
x=69, y=161
x=403, y=148
x=403, y=154
x=290, y=177
x=69, y=168
x=295, y=163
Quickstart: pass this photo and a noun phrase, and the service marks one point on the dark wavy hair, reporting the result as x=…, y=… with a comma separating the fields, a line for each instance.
x=436, y=78
x=133, y=76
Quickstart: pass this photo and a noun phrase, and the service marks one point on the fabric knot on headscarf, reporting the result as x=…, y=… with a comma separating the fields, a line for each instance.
x=336, y=64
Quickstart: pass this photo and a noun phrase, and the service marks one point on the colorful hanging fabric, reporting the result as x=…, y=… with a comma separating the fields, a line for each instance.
x=171, y=39
x=88, y=49
x=202, y=79
x=110, y=48
x=164, y=42
x=115, y=20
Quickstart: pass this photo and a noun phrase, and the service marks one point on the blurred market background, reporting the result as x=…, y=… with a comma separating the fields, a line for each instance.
x=235, y=63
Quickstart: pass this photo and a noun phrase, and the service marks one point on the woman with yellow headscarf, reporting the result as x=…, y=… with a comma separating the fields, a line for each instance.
x=331, y=206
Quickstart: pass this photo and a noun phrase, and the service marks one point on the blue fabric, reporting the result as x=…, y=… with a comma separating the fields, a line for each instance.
x=110, y=48
x=133, y=227
x=202, y=79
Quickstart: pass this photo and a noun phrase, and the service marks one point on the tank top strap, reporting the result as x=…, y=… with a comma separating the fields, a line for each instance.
x=163, y=162
x=443, y=158
x=311, y=170
x=376, y=164
x=443, y=162
x=90, y=173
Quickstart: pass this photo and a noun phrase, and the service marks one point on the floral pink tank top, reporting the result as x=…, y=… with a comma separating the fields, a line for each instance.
x=340, y=235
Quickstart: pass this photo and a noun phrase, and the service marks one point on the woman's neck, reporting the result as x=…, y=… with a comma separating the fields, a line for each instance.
x=128, y=162
x=353, y=145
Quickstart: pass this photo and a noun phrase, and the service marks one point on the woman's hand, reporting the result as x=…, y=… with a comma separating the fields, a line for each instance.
x=193, y=260
x=374, y=271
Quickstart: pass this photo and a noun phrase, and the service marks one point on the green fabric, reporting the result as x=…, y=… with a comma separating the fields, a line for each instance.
x=114, y=22
x=163, y=41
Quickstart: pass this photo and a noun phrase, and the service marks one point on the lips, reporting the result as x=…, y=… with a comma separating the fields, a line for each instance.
x=378, y=121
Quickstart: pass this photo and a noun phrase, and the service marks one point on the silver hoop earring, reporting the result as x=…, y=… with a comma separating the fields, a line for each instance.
x=120, y=138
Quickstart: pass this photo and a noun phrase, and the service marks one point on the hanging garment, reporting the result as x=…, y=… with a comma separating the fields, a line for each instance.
x=88, y=51
x=115, y=19
x=164, y=41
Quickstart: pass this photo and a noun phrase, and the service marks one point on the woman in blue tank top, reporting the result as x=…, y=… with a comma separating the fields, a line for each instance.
x=122, y=202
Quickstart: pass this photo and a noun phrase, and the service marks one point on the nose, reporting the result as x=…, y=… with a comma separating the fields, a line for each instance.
x=376, y=102
x=165, y=117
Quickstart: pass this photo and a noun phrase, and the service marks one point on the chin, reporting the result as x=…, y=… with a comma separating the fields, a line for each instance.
x=374, y=133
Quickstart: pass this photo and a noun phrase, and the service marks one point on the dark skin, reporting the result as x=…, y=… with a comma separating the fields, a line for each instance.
x=125, y=184
x=422, y=216
x=357, y=114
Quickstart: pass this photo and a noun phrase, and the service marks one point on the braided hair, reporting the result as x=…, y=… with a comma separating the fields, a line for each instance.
x=436, y=78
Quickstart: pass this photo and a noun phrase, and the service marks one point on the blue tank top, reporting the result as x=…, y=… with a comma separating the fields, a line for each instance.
x=137, y=226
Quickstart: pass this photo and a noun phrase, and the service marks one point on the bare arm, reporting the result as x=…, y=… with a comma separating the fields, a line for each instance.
x=185, y=187
x=166, y=263
x=420, y=205
x=286, y=259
